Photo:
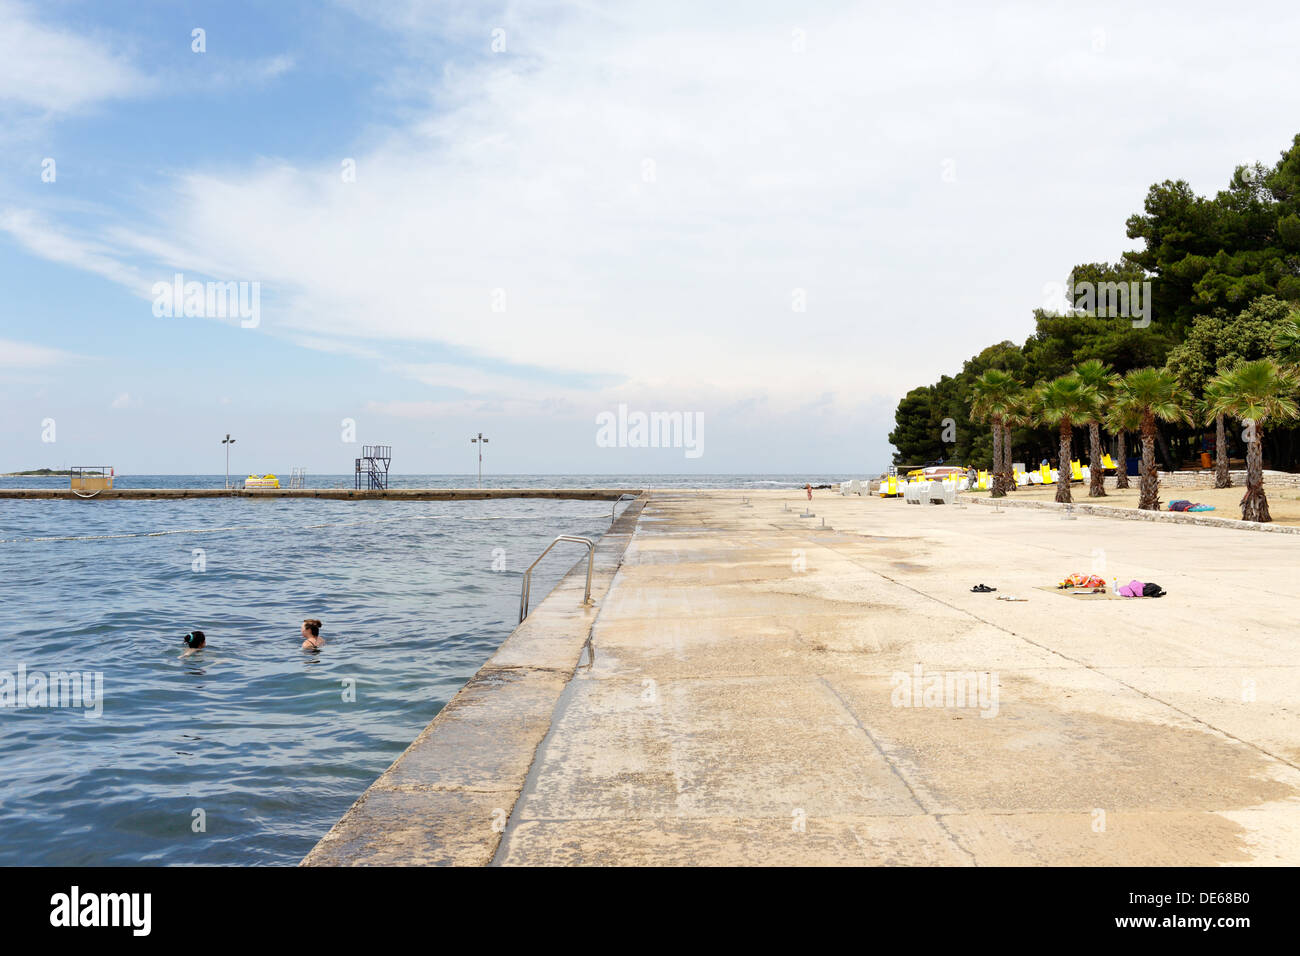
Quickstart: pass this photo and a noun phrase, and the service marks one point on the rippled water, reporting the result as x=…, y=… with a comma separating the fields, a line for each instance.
x=252, y=737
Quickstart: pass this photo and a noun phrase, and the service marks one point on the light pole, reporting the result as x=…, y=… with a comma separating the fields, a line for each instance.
x=227, y=441
x=480, y=441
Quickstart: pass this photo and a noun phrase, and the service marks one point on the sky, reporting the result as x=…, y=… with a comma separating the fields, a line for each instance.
x=515, y=218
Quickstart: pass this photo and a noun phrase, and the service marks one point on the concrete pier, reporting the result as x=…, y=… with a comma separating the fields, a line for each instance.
x=762, y=690
x=344, y=494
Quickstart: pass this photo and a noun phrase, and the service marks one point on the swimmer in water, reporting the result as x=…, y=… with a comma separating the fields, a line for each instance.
x=311, y=639
x=194, y=642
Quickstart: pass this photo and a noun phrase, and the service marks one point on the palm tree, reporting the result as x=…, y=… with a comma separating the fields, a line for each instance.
x=1155, y=392
x=1018, y=413
x=1286, y=338
x=1124, y=417
x=1214, y=400
x=1100, y=378
x=1064, y=402
x=1255, y=392
x=991, y=400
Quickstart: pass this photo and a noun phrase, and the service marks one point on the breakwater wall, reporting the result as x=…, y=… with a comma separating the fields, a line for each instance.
x=344, y=494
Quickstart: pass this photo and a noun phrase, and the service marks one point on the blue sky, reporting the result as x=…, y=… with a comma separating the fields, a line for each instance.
x=779, y=224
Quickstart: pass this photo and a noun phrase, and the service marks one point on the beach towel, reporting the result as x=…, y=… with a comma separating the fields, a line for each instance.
x=1089, y=594
x=1200, y=507
x=1078, y=580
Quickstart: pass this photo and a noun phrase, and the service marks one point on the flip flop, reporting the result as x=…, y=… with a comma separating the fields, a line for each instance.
x=983, y=589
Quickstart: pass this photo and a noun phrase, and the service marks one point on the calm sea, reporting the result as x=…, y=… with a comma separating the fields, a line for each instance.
x=250, y=750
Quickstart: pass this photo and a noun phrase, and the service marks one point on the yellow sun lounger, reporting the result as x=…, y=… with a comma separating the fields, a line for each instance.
x=1076, y=471
x=1107, y=463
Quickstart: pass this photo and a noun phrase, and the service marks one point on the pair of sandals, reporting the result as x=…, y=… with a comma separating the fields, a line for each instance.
x=983, y=589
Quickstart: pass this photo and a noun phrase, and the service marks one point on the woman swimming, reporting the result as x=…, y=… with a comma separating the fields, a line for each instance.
x=195, y=641
x=312, y=641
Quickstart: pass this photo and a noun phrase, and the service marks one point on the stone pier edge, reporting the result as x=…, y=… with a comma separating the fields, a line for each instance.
x=340, y=494
x=446, y=799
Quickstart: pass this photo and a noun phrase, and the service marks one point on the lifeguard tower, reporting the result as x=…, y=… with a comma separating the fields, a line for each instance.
x=373, y=467
x=91, y=477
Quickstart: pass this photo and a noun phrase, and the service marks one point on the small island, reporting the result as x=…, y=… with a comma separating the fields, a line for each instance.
x=38, y=473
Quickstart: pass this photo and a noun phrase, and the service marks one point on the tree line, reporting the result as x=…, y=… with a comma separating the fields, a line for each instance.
x=1220, y=277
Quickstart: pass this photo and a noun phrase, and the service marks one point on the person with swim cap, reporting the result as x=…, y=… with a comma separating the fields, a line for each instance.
x=312, y=641
x=194, y=642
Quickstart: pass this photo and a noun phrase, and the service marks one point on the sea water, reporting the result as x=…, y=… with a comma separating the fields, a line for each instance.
x=248, y=751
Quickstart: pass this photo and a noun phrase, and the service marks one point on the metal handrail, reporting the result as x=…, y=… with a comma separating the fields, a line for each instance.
x=528, y=575
x=615, y=505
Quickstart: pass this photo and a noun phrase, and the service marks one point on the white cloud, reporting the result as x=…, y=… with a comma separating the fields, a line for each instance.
x=54, y=70
x=51, y=242
x=647, y=192
x=27, y=356
x=252, y=72
x=273, y=67
x=124, y=400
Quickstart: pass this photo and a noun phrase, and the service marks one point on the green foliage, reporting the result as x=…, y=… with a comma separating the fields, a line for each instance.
x=1225, y=289
x=1258, y=391
x=1217, y=342
x=993, y=395
x=1224, y=252
x=1156, y=392
x=919, y=418
x=1066, y=401
x=1060, y=342
x=1099, y=377
x=1124, y=413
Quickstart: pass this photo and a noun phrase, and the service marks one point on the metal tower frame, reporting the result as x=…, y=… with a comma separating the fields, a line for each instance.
x=373, y=464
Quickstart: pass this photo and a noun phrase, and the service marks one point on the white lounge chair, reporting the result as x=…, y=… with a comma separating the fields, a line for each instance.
x=940, y=492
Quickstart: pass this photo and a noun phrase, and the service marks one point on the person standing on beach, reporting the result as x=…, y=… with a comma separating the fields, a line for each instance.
x=311, y=639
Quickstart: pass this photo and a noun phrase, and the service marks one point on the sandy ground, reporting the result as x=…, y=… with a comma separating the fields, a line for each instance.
x=1283, y=503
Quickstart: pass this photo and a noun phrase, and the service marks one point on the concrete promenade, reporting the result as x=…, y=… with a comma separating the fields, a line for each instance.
x=751, y=700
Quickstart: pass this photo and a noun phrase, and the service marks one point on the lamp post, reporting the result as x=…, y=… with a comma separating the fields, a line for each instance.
x=480, y=441
x=227, y=441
